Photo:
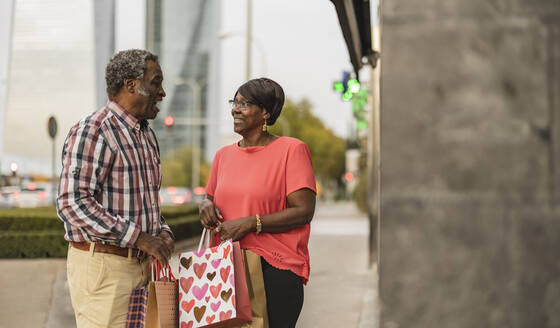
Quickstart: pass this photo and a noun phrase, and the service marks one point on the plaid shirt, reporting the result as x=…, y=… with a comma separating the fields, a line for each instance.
x=110, y=180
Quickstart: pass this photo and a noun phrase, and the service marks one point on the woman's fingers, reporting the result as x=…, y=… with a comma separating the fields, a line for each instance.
x=218, y=213
x=208, y=218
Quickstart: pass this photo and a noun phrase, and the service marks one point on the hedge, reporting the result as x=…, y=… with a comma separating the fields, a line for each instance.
x=45, y=218
x=29, y=233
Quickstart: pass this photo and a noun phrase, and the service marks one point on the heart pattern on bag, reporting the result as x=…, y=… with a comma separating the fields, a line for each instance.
x=200, y=292
x=226, y=251
x=186, y=262
x=226, y=295
x=199, y=269
x=225, y=315
x=216, y=306
x=215, y=290
x=224, y=273
x=199, y=312
x=186, y=283
x=187, y=306
x=204, y=299
x=186, y=325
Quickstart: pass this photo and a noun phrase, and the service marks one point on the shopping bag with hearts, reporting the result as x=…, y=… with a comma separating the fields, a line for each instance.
x=212, y=286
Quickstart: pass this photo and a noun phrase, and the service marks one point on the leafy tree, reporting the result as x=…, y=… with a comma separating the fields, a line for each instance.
x=177, y=168
x=327, y=149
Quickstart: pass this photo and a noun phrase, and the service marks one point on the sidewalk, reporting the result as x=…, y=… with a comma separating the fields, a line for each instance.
x=341, y=291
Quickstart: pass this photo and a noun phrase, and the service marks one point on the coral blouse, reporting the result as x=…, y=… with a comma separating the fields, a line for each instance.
x=257, y=180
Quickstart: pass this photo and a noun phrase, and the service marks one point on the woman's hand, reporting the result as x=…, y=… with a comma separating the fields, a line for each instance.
x=236, y=229
x=210, y=215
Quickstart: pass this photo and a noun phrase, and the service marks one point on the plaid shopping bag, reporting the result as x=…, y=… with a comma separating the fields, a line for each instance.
x=137, y=308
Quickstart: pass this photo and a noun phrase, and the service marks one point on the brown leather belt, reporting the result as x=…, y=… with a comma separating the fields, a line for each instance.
x=108, y=249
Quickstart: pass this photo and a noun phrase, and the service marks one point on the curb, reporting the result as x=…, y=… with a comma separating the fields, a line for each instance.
x=371, y=306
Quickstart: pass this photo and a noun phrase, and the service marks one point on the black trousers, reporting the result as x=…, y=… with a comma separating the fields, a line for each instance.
x=284, y=296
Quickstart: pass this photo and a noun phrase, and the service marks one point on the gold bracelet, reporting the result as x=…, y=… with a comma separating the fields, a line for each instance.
x=259, y=224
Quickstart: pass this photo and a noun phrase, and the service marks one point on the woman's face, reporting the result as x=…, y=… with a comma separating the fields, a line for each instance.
x=247, y=116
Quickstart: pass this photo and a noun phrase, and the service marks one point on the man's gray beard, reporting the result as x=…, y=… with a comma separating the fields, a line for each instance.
x=143, y=92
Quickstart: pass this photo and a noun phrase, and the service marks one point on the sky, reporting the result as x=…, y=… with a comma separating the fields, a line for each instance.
x=299, y=44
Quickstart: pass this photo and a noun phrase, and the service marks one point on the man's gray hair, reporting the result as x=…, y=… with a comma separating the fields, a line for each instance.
x=126, y=64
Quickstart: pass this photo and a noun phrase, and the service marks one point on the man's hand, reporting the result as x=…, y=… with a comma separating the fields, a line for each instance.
x=210, y=215
x=154, y=246
x=236, y=229
x=168, y=240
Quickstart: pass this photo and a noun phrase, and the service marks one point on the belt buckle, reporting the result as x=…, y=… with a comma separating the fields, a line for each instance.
x=141, y=256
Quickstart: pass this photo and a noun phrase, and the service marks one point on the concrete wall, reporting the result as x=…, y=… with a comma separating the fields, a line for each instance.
x=470, y=119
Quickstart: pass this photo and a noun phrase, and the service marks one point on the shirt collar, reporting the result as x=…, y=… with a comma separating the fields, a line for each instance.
x=125, y=117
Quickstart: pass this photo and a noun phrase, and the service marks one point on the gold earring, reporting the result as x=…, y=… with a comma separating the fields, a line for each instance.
x=264, y=126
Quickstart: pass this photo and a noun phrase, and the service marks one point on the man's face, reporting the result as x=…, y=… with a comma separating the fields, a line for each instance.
x=150, y=92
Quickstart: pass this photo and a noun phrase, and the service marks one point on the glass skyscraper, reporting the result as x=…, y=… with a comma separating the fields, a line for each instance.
x=184, y=35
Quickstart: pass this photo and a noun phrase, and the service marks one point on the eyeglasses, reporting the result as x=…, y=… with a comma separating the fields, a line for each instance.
x=234, y=104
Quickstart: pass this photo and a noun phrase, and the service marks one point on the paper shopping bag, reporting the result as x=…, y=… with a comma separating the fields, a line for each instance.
x=162, y=305
x=212, y=287
x=154, y=305
x=255, y=285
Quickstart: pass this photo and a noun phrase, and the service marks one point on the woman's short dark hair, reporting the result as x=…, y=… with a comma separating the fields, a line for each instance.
x=264, y=93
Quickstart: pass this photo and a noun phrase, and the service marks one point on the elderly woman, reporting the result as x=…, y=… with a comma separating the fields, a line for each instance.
x=261, y=192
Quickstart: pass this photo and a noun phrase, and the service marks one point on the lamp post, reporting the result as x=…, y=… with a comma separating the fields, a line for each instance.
x=249, y=39
x=286, y=129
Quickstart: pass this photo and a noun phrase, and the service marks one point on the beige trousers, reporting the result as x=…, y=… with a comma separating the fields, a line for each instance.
x=100, y=286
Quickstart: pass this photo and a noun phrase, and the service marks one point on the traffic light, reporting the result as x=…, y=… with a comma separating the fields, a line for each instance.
x=169, y=121
x=349, y=176
x=347, y=86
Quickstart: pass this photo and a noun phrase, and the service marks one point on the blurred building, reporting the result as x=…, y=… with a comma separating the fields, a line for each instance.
x=53, y=58
x=184, y=34
x=50, y=72
x=470, y=123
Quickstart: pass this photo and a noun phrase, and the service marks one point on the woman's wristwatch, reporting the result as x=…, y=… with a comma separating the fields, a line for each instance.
x=259, y=224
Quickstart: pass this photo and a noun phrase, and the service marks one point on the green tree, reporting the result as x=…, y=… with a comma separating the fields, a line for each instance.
x=327, y=149
x=177, y=168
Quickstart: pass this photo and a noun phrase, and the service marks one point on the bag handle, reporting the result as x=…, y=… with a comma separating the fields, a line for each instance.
x=205, y=238
x=159, y=272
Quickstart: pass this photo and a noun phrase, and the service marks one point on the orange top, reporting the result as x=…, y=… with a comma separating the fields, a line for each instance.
x=257, y=180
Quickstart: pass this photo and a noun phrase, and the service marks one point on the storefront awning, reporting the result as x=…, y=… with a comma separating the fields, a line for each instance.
x=354, y=18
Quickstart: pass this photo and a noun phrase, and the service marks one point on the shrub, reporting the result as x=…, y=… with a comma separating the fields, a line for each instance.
x=38, y=232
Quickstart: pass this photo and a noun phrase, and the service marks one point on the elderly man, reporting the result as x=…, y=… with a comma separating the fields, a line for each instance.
x=109, y=194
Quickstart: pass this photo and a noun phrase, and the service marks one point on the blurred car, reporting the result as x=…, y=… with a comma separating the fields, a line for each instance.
x=7, y=195
x=5, y=201
x=30, y=196
x=175, y=196
x=198, y=194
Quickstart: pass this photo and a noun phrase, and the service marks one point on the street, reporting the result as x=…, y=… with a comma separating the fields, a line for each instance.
x=35, y=293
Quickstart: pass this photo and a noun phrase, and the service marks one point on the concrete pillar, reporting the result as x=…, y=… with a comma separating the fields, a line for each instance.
x=6, y=24
x=470, y=143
